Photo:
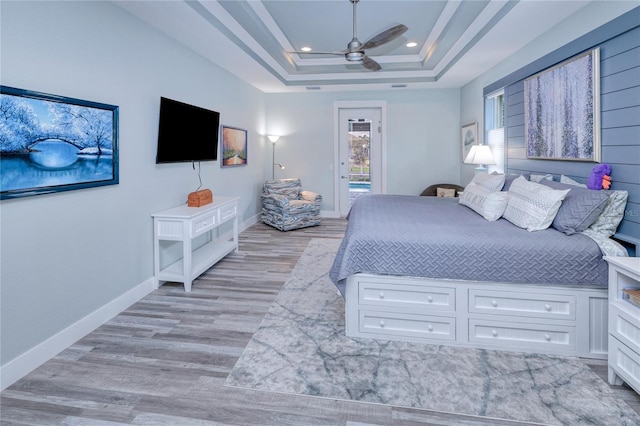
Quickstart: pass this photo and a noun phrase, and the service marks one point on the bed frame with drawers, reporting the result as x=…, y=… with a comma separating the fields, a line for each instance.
x=515, y=317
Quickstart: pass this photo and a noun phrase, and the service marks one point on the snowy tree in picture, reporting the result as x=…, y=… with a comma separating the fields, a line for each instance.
x=51, y=143
x=561, y=116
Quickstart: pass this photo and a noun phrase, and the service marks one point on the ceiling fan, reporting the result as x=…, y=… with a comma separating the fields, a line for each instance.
x=355, y=51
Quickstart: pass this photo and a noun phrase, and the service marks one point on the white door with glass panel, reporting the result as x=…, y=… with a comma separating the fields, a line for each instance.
x=360, y=154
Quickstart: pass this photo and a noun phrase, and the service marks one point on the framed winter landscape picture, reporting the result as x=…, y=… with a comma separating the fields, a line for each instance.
x=562, y=110
x=51, y=143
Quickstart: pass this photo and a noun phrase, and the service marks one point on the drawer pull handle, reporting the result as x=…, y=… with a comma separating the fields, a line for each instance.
x=381, y=323
x=494, y=333
x=494, y=303
x=547, y=337
x=430, y=327
x=547, y=306
x=381, y=295
x=429, y=299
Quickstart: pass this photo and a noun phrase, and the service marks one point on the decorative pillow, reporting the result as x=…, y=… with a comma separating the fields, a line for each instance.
x=290, y=188
x=489, y=182
x=508, y=179
x=608, y=246
x=444, y=192
x=569, y=181
x=608, y=221
x=531, y=205
x=580, y=208
x=489, y=205
x=538, y=178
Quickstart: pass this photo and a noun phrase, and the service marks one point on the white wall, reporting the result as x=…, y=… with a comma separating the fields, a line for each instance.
x=65, y=255
x=423, y=137
x=586, y=19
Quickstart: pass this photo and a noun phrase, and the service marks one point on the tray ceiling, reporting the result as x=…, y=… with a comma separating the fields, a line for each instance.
x=456, y=41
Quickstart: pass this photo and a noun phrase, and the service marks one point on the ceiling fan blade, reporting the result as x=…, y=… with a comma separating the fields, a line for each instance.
x=385, y=36
x=370, y=64
x=355, y=49
x=313, y=52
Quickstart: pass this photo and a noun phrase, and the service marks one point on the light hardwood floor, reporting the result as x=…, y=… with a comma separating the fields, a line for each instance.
x=164, y=360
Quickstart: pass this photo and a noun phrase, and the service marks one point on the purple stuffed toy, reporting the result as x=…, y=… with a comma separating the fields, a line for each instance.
x=600, y=177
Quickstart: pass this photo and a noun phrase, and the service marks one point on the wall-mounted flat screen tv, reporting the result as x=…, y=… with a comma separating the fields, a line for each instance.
x=186, y=133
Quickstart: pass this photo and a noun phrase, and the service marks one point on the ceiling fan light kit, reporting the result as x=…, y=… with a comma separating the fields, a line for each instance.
x=355, y=51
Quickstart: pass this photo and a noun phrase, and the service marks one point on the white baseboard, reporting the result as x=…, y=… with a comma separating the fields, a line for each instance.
x=38, y=355
x=330, y=214
x=247, y=223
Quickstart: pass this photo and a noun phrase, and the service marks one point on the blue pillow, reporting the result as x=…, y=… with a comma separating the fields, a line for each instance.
x=580, y=208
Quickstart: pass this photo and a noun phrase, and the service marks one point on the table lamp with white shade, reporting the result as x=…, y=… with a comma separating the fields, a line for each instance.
x=482, y=155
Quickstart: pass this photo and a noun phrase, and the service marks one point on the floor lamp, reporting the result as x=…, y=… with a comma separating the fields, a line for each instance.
x=273, y=140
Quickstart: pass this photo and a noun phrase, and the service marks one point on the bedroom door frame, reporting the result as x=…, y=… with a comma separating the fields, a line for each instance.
x=378, y=153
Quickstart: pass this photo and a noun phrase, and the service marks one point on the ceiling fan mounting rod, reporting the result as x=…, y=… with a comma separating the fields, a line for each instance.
x=354, y=2
x=354, y=51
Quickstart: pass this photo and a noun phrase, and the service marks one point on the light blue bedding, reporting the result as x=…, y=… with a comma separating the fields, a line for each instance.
x=437, y=237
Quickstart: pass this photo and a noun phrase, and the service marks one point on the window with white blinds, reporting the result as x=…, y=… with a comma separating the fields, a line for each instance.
x=494, y=128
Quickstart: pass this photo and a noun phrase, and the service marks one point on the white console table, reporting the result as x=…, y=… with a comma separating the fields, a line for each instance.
x=183, y=224
x=624, y=322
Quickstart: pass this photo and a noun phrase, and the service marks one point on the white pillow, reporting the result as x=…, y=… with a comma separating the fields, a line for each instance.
x=538, y=178
x=489, y=182
x=569, y=181
x=531, y=205
x=489, y=205
x=607, y=223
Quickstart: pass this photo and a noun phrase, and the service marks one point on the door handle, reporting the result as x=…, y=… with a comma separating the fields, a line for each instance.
x=344, y=177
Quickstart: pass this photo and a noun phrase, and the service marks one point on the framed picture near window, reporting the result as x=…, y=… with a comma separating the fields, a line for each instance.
x=469, y=138
x=51, y=143
x=234, y=147
x=562, y=110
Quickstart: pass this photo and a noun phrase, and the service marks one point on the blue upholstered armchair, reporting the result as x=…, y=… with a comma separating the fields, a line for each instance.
x=286, y=206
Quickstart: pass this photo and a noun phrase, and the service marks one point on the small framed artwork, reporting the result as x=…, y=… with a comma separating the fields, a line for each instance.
x=51, y=143
x=469, y=138
x=234, y=147
x=562, y=110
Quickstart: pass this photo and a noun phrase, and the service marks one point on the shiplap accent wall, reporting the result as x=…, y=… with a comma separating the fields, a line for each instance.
x=619, y=43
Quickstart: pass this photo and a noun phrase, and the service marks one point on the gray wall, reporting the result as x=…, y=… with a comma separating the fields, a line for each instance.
x=620, y=115
x=578, y=25
x=423, y=137
x=65, y=255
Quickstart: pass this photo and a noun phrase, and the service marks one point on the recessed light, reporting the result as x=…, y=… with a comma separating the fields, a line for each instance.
x=306, y=49
x=411, y=44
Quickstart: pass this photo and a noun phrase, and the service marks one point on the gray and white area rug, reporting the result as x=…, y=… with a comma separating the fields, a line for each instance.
x=300, y=348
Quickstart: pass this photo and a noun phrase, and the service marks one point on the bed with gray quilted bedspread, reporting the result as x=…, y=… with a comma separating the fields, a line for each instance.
x=437, y=237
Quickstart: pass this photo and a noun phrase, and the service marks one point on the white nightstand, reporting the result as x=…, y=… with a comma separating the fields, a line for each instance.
x=624, y=322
